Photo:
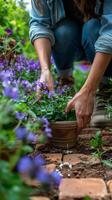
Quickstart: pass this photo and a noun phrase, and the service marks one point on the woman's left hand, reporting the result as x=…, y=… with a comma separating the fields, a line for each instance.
x=83, y=103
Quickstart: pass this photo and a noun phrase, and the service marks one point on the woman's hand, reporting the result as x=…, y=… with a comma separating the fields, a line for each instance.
x=83, y=103
x=45, y=77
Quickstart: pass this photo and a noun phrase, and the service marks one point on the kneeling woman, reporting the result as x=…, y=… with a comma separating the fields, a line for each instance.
x=73, y=30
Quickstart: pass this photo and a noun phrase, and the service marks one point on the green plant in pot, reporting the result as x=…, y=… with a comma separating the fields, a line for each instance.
x=52, y=106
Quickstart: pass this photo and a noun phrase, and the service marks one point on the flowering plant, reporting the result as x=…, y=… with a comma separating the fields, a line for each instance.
x=20, y=129
x=53, y=104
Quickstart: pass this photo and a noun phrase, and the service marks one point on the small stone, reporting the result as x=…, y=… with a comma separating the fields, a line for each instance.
x=79, y=188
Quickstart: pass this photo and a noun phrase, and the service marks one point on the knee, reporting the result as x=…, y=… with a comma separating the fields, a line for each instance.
x=67, y=31
x=90, y=31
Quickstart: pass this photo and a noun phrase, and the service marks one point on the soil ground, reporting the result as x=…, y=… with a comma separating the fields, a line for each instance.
x=85, y=168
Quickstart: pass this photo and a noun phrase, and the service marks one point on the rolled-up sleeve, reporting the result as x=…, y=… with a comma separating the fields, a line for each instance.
x=104, y=41
x=40, y=25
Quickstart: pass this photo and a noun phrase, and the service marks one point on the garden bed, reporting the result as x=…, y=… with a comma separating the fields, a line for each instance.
x=89, y=165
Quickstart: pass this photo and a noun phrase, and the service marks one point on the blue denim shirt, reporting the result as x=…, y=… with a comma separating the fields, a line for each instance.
x=42, y=25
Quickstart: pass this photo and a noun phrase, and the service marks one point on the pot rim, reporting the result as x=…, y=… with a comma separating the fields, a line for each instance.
x=63, y=122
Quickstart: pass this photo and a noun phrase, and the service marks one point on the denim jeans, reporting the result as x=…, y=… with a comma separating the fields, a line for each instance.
x=75, y=43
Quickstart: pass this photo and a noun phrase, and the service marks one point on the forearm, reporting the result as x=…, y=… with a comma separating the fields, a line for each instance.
x=43, y=50
x=98, y=68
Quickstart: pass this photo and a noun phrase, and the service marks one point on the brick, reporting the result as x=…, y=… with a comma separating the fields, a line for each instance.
x=109, y=185
x=79, y=188
x=53, y=157
x=50, y=168
x=39, y=198
x=81, y=158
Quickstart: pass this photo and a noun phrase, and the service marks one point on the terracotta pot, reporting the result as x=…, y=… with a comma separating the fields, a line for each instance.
x=64, y=134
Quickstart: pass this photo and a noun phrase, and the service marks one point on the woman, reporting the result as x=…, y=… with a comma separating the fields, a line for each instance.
x=73, y=30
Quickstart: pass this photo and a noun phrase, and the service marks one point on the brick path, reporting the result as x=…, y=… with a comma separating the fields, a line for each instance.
x=78, y=188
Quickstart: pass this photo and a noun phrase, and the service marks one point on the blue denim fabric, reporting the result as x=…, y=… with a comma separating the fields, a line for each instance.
x=65, y=35
x=67, y=47
x=89, y=39
x=41, y=26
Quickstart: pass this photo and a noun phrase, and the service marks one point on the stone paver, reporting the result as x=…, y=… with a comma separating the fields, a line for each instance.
x=109, y=184
x=79, y=188
x=50, y=168
x=39, y=198
x=79, y=158
x=53, y=157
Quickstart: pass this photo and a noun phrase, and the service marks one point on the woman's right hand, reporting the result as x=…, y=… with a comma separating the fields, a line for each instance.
x=45, y=77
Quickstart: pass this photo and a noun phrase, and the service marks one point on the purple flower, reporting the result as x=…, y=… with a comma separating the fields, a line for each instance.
x=31, y=137
x=51, y=94
x=48, y=131
x=6, y=83
x=39, y=161
x=6, y=75
x=41, y=85
x=26, y=84
x=52, y=61
x=44, y=121
x=43, y=176
x=60, y=91
x=56, y=178
x=32, y=65
x=1, y=65
x=20, y=115
x=23, y=41
x=25, y=165
x=9, y=31
x=84, y=68
x=21, y=133
x=11, y=92
x=19, y=66
x=45, y=92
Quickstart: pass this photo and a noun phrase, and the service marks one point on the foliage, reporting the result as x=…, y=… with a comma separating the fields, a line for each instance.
x=96, y=143
x=80, y=74
x=107, y=163
x=20, y=128
x=87, y=198
x=14, y=27
x=17, y=135
x=11, y=185
x=52, y=105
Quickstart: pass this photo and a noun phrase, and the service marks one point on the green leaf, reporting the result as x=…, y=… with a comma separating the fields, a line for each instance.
x=107, y=163
x=42, y=139
x=87, y=198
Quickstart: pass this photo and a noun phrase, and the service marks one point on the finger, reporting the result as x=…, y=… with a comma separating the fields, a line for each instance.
x=80, y=123
x=80, y=120
x=51, y=85
x=70, y=106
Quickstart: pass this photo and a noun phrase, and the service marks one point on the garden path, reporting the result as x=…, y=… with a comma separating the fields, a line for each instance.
x=89, y=178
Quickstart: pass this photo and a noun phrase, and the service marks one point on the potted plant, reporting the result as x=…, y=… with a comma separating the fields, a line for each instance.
x=52, y=106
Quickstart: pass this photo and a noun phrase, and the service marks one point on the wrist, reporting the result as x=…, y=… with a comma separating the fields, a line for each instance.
x=88, y=90
x=44, y=69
